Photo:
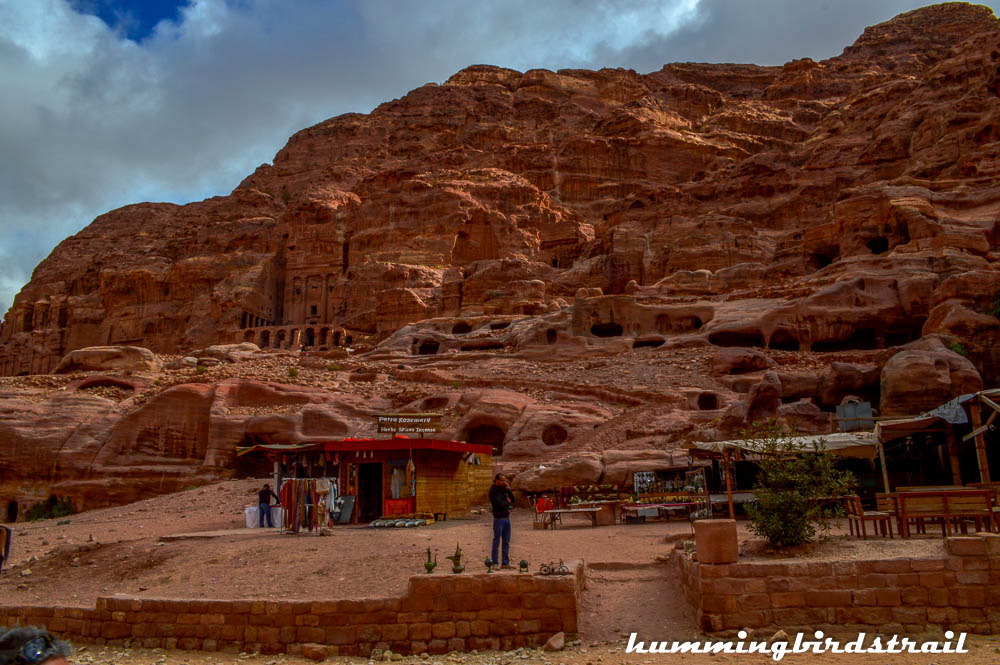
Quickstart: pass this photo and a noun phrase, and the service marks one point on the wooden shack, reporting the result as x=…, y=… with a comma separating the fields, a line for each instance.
x=397, y=476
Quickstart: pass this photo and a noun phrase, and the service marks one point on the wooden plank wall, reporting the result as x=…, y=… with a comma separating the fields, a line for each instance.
x=447, y=484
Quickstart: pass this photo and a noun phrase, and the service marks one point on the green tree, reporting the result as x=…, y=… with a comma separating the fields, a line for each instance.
x=792, y=494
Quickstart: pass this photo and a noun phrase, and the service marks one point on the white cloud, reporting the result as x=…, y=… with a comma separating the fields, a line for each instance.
x=90, y=121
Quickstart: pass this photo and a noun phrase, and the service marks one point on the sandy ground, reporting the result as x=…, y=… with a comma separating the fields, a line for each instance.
x=194, y=544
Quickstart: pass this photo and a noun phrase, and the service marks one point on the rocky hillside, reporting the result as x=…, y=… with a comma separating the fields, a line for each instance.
x=709, y=243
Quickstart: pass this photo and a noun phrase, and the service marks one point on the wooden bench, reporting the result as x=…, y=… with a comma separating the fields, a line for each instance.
x=950, y=508
x=555, y=515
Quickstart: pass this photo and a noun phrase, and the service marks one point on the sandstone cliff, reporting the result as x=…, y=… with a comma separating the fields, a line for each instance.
x=509, y=230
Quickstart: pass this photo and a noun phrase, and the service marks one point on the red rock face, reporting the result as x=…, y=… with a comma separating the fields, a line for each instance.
x=879, y=162
x=817, y=208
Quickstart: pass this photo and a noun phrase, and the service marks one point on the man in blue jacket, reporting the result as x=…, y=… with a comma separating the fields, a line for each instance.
x=502, y=500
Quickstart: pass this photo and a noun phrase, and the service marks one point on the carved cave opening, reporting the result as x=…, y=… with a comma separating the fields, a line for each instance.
x=611, y=329
x=63, y=317
x=862, y=339
x=248, y=336
x=280, y=341
x=667, y=324
x=550, y=336
x=708, y=401
x=310, y=337
x=105, y=382
x=483, y=346
x=736, y=338
x=553, y=435
x=265, y=339
x=461, y=328
x=819, y=260
x=336, y=338
x=878, y=245
x=783, y=340
x=428, y=347
x=431, y=403
x=499, y=325
x=647, y=343
x=486, y=433
x=12, y=510
x=898, y=336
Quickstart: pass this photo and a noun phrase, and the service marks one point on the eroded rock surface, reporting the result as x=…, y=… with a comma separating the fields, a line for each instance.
x=563, y=263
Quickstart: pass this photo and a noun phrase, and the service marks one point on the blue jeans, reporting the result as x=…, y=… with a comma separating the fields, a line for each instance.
x=262, y=510
x=501, y=530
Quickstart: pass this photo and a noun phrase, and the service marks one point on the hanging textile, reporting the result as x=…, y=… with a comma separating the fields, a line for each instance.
x=301, y=503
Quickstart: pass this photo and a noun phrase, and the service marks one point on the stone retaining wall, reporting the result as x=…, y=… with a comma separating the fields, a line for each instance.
x=959, y=591
x=439, y=613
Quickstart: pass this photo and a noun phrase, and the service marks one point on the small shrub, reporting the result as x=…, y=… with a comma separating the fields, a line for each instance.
x=958, y=348
x=51, y=507
x=334, y=367
x=200, y=369
x=293, y=372
x=790, y=496
x=456, y=384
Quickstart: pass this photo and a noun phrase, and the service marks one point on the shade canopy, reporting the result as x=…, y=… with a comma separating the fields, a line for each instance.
x=845, y=444
x=350, y=445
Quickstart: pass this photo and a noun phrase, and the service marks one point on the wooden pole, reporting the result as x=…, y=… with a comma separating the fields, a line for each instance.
x=953, y=463
x=729, y=485
x=885, y=471
x=977, y=422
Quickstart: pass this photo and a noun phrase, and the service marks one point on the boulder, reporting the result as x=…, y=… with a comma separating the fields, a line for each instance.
x=840, y=379
x=582, y=469
x=764, y=399
x=737, y=360
x=555, y=643
x=227, y=353
x=99, y=358
x=917, y=380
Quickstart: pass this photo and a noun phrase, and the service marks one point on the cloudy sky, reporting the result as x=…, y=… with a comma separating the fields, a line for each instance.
x=110, y=102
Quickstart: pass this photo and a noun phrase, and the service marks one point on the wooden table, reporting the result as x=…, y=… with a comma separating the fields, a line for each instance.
x=555, y=515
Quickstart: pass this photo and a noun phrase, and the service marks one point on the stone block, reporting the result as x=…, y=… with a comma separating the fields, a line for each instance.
x=910, y=615
x=788, y=599
x=863, y=597
x=395, y=632
x=924, y=565
x=965, y=546
x=828, y=598
x=443, y=631
x=306, y=634
x=888, y=597
x=942, y=615
x=972, y=577
x=420, y=631
x=716, y=541
x=937, y=597
x=340, y=635
x=967, y=597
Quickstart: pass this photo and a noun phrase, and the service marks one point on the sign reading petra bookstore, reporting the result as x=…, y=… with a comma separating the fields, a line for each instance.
x=409, y=423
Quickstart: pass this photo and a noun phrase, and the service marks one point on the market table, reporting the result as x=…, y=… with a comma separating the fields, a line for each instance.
x=555, y=514
x=659, y=507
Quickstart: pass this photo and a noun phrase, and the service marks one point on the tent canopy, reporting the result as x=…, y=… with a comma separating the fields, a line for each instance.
x=845, y=444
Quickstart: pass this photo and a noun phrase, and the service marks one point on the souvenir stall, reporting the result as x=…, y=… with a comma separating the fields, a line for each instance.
x=362, y=480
